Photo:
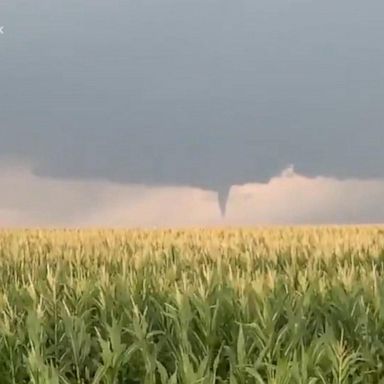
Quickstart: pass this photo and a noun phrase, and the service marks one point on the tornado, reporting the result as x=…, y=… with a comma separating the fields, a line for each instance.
x=223, y=194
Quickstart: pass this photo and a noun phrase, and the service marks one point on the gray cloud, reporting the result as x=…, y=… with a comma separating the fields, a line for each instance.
x=27, y=200
x=201, y=93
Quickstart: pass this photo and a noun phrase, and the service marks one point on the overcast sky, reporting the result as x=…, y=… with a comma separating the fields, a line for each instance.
x=192, y=93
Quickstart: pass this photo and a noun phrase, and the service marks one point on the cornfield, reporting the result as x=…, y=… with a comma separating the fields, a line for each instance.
x=279, y=305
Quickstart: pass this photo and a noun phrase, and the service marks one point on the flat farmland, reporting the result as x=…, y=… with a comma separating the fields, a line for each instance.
x=268, y=305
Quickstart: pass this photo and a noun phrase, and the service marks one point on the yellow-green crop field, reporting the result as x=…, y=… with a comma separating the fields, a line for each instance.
x=278, y=305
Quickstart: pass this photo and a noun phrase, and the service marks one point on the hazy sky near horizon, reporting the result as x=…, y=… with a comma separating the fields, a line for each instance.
x=192, y=93
x=27, y=200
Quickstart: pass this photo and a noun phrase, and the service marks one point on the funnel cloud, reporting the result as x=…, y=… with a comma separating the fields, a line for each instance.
x=223, y=194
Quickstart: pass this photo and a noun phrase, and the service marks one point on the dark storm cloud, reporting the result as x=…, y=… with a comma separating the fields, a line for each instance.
x=205, y=93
